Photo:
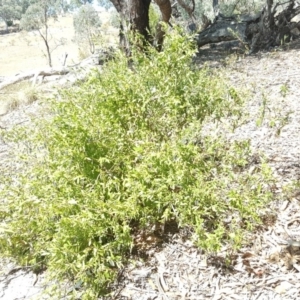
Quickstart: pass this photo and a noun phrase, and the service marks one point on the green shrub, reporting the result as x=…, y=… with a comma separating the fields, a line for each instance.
x=123, y=152
x=9, y=23
x=154, y=18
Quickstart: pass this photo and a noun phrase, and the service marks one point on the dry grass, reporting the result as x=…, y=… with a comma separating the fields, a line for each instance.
x=24, y=51
x=13, y=96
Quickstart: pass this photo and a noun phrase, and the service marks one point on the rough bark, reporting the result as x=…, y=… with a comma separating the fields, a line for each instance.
x=262, y=31
x=134, y=15
x=166, y=12
x=273, y=27
x=216, y=7
x=187, y=8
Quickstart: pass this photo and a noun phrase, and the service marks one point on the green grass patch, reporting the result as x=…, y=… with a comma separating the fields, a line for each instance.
x=125, y=148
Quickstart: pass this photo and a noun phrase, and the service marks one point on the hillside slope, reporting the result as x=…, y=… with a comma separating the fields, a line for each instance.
x=267, y=268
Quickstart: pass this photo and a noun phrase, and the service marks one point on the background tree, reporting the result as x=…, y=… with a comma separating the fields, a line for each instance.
x=37, y=17
x=105, y=3
x=24, y=4
x=63, y=6
x=10, y=10
x=134, y=16
x=77, y=3
x=86, y=24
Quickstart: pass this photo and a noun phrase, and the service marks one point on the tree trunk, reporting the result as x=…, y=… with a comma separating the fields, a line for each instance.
x=273, y=28
x=134, y=16
x=166, y=12
x=216, y=7
x=139, y=17
x=188, y=9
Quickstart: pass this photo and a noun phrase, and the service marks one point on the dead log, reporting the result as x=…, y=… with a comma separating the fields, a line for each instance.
x=274, y=27
x=222, y=29
x=33, y=74
x=271, y=27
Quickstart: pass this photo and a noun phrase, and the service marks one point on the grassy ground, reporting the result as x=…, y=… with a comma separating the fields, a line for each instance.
x=25, y=51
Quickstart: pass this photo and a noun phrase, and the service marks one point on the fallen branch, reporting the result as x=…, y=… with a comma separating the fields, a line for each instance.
x=35, y=74
x=226, y=29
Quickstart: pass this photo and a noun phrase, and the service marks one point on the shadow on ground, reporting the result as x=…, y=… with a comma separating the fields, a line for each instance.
x=216, y=54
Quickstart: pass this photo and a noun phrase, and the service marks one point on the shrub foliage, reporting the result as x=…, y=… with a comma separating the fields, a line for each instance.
x=122, y=152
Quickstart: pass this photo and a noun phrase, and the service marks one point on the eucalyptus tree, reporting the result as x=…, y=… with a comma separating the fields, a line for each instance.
x=86, y=25
x=10, y=10
x=134, y=16
x=37, y=17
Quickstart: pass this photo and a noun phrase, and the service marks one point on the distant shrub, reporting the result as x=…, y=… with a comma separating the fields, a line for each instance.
x=19, y=94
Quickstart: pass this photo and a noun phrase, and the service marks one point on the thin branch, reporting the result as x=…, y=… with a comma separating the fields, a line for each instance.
x=189, y=10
